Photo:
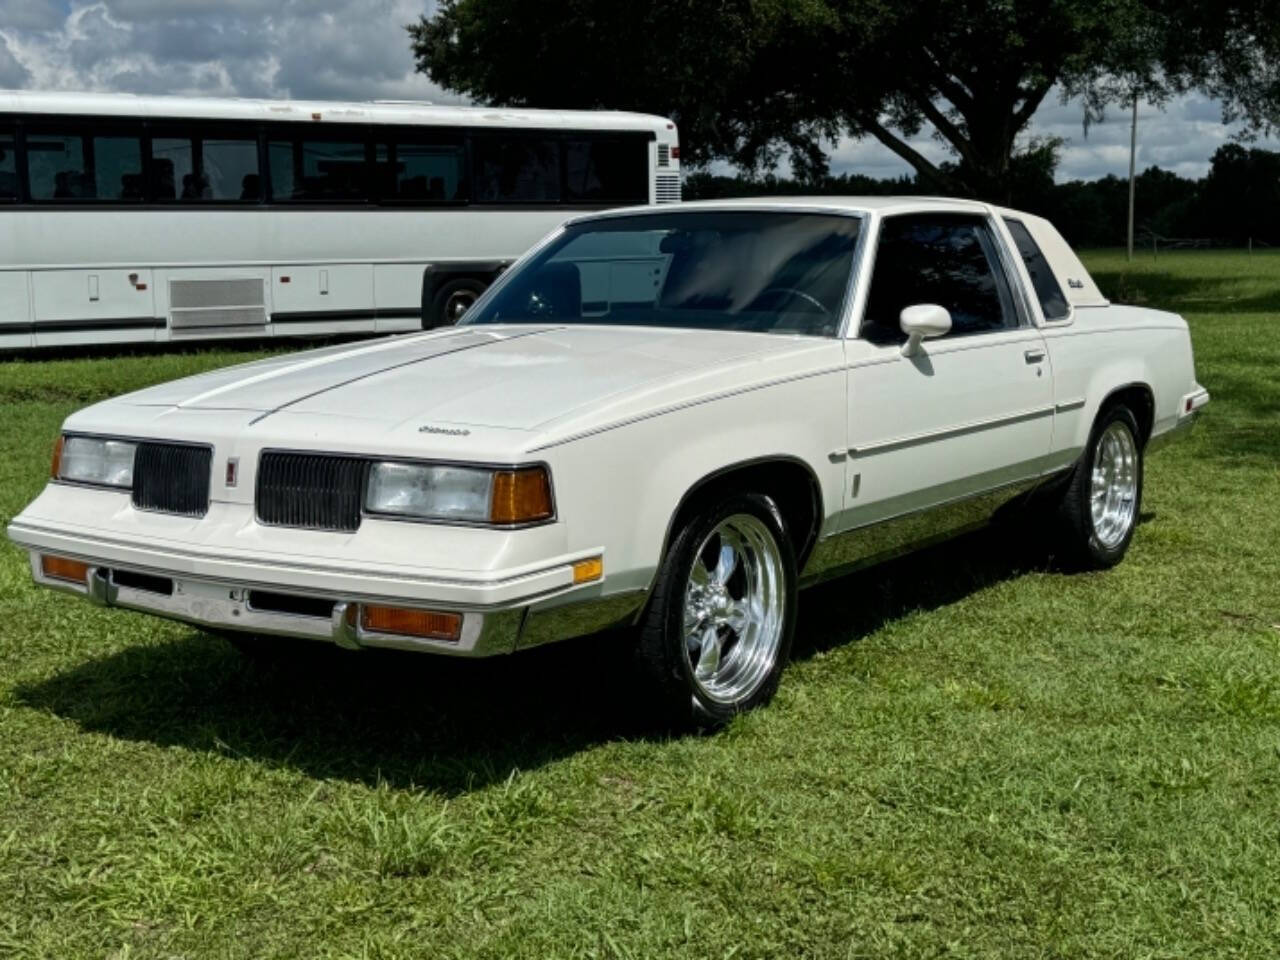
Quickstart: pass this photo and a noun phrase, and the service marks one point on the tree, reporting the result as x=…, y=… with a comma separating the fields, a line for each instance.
x=750, y=79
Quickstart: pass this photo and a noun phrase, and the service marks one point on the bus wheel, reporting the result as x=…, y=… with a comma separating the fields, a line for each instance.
x=452, y=300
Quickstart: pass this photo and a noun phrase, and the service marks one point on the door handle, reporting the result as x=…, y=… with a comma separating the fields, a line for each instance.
x=1034, y=356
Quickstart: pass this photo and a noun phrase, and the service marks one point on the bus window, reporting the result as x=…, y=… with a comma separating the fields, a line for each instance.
x=70, y=167
x=318, y=170
x=173, y=167
x=516, y=170
x=230, y=169
x=607, y=169
x=117, y=168
x=421, y=172
x=56, y=169
x=8, y=167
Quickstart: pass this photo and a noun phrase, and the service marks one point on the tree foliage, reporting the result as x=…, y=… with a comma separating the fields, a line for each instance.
x=750, y=80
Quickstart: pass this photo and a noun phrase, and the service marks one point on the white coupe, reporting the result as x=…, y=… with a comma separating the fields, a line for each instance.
x=667, y=420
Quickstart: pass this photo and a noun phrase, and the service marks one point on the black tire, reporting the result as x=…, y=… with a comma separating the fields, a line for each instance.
x=442, y=311
x=661, y=650
x=1082, y=543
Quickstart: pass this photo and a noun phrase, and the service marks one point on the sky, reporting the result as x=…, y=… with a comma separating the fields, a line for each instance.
x=358, y=50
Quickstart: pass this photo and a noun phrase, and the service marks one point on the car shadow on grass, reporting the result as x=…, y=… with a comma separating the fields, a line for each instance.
x=446, y=725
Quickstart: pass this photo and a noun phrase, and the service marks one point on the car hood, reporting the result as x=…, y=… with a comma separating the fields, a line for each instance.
x=510, y=377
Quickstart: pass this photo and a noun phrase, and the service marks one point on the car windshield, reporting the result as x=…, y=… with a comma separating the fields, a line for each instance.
x=779, y=272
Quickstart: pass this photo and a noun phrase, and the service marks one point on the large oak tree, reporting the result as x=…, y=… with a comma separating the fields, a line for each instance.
x=750, y=79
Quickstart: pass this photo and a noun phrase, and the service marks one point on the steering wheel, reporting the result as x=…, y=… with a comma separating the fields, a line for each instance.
x=791, y=292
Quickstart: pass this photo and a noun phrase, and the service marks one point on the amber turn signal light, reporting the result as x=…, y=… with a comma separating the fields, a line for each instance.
x=61, y=568
x=521, y=496
x=585, y=571
x=429, y=624
x=55, y=468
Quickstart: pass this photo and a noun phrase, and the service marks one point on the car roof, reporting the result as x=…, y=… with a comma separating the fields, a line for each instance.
x=850, y=205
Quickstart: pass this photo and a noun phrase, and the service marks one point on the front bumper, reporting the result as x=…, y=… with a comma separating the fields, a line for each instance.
x=242, y=594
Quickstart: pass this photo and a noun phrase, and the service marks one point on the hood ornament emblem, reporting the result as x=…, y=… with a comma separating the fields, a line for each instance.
x=445, y=431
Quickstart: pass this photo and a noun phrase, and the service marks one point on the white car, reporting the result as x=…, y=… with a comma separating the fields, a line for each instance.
x=668, y=420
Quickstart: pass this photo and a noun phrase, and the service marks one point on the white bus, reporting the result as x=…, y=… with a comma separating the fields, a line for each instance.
x=137, y=219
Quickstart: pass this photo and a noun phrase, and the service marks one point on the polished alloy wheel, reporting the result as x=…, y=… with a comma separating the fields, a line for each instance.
x=1114, y=491
x=458, y=304
x=734, y=605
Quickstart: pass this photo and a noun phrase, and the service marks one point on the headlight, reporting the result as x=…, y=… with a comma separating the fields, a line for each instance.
x=104, y=463
x=465, y=494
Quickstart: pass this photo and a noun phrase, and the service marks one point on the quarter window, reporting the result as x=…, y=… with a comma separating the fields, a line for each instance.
x=1048, y=292
x=318, y=170
x=947, y=259
x=516, y=170
x=8, y=166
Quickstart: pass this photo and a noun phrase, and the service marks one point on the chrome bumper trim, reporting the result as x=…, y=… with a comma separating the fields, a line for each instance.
x=225, y=607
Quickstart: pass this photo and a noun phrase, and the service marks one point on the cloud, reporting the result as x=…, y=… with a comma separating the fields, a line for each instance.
x=298, y=49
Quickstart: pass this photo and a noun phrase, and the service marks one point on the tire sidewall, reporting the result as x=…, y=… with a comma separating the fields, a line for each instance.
x=1098, y=551
x=442, y=296
x=682, y=557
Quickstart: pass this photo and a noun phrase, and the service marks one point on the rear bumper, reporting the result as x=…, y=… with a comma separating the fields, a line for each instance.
x=1189, y=408
x=226, y=593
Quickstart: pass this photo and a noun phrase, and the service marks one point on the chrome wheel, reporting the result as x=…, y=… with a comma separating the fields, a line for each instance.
x=1114, y=490
x=458, y=304
x=734, y=609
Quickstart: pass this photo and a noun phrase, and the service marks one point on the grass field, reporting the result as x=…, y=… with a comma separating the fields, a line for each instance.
x=974, y=755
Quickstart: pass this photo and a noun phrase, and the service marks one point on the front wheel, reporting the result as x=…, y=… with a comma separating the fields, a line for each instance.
x=1101, y=504
x=718, y=629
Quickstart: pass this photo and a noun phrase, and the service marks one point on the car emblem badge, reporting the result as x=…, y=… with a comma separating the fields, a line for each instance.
x=445, y=431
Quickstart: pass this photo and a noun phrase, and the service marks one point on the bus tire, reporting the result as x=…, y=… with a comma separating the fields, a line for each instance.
x=451, y=301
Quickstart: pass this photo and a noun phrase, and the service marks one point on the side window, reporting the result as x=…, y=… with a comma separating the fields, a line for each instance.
x=947, y=259
x=74, y=167
x=1052, y=302
x=422, y=172
x=607, y=169
x=516, y=170
x=318, y=170
x=8, y=165
x=192, y=169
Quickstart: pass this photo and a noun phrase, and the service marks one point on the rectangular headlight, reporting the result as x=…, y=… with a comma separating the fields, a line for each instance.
x=464, y=494
x=104, y=463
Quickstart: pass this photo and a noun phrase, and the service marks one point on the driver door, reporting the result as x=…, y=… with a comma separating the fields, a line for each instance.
x=971, y=413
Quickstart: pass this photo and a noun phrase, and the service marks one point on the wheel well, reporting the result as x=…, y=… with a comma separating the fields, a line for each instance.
x=1138, y=398
x=788, y=482
x=436, y=276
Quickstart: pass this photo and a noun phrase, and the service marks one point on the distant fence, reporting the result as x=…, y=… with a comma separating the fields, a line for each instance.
x=1147, y=240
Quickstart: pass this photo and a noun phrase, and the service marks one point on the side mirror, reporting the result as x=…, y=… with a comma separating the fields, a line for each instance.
x=920, y=322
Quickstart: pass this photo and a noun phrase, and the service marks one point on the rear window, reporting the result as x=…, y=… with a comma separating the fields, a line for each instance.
x=1052, y=301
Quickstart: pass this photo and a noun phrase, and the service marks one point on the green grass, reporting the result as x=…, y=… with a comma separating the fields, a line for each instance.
x=974, y=755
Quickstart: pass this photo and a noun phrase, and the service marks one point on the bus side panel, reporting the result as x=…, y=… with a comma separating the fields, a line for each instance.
x=15, y=310
x=94, y=305
x=397, y=296
x=322, y=298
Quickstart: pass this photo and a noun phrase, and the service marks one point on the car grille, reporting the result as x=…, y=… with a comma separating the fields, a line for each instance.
x=172, y=478
x=310, y=490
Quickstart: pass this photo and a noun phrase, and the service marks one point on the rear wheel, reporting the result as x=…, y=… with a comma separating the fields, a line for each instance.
x=1100, y=506
x=718, y=630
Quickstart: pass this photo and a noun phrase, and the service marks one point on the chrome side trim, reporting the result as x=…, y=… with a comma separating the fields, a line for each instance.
x=551, y=624
x=973, y=426
x=883, y=540
x=1180, y=429
x=685, y=405
x=1067, y=405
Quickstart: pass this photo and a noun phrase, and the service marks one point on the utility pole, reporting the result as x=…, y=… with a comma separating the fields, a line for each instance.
x=1133, y=152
